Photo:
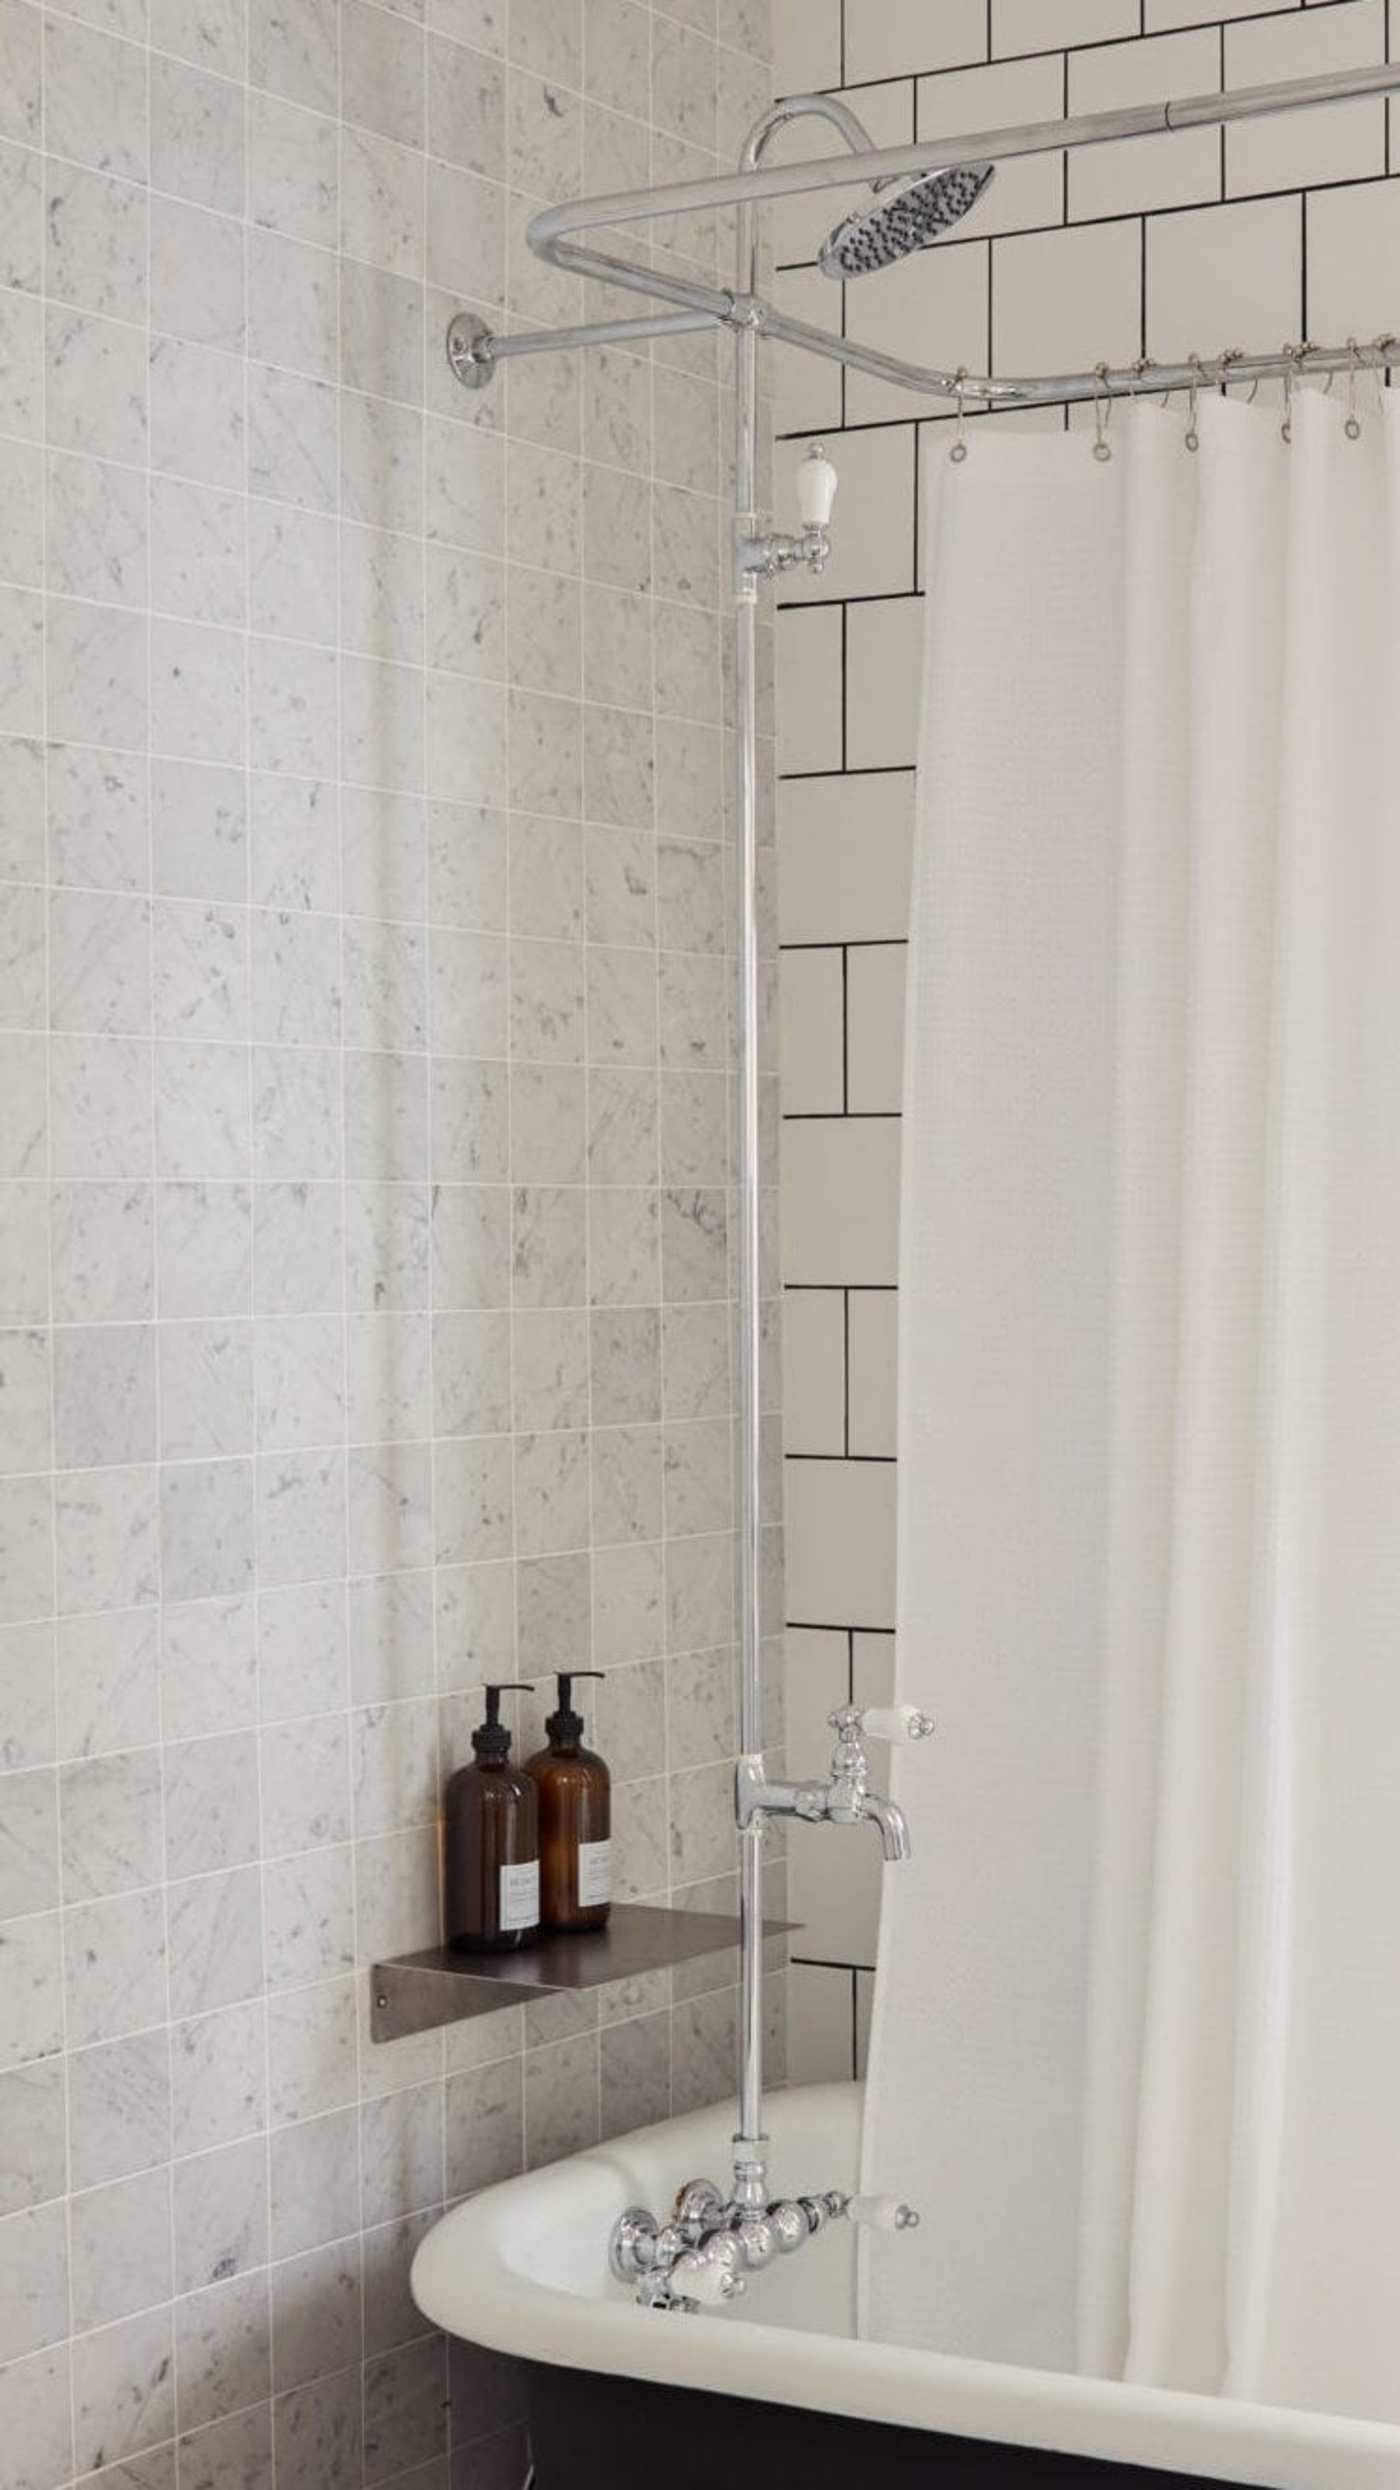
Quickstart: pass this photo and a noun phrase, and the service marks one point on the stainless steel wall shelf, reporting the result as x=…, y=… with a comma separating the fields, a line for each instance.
x=417, y=1992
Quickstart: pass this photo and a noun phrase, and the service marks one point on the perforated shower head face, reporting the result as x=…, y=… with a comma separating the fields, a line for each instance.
x=904, y=216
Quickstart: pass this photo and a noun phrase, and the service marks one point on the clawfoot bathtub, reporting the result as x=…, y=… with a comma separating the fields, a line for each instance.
x=779, y=2390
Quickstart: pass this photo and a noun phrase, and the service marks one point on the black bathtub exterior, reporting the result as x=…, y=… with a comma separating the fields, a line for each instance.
x=605, y=2433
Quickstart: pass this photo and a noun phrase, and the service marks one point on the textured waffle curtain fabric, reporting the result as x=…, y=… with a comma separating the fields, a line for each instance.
x=1136, y=2050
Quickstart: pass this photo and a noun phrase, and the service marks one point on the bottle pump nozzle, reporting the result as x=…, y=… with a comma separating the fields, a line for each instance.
x=565, y=1727
x=493, y=1737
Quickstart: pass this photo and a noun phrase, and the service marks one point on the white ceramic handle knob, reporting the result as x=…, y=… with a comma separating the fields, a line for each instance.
x=707, y=2279
x=897, y=1721
x=881, y=2213
x=816, y=487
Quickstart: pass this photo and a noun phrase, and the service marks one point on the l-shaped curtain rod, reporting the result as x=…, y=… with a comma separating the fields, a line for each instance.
x=474, y=349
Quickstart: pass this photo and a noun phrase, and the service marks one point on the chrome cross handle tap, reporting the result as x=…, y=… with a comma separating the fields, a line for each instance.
x=845, y=1797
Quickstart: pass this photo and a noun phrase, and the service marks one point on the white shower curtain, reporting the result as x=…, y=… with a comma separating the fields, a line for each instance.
x=1137, y=2037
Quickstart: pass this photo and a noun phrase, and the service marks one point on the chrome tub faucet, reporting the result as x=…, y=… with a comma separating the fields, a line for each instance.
x=702, y=2256
x=845, y=1797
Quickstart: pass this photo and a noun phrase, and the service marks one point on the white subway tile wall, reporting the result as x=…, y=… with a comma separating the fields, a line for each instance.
x=1276, y=230
x=365, y=1271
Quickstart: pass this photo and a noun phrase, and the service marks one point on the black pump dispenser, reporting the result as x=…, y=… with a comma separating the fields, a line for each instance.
x=491, y=1874
x=493, y=1737
x=565, y=1727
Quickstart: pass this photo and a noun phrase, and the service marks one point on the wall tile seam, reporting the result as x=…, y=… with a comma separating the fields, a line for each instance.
x=512, y=680
x=358, y=1839
x=269, y=2129
x=586, y=460
x=340, y=650
x=503, y=432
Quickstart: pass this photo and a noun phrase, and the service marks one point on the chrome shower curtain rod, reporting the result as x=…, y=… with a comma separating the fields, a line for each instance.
x=474, y=349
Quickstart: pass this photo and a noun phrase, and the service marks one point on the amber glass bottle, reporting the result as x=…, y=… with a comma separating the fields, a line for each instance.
x=575, y=1789
x=491, y=1875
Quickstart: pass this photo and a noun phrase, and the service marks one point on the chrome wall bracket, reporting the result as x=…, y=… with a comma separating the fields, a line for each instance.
x=468, y=350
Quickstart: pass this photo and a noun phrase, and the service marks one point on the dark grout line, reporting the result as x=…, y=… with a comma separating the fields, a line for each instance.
x=846, y=1373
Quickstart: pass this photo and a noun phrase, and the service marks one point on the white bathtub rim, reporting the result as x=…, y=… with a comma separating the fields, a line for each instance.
x=467, y=2278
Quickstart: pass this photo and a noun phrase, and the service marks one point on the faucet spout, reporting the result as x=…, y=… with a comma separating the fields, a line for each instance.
x=892, y=1822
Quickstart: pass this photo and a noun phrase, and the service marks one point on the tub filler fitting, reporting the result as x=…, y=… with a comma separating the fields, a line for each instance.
x=703, y=2256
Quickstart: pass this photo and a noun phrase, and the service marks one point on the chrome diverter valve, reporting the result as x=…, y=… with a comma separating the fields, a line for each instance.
x=703, y=2256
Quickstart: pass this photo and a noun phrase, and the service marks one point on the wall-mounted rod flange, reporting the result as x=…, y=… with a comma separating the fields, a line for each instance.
x=466, y=338
x=474, y=348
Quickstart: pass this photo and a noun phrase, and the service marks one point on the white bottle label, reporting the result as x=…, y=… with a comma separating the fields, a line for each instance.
x=520, y=1896
x=594, y=1874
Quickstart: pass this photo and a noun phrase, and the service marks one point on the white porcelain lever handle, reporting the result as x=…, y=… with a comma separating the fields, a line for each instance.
x=896, y=1722
x=881, y=2213
x=816, y=487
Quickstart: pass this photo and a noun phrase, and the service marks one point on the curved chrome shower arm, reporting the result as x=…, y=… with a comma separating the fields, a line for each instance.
x=548, y=230
x=694, y=304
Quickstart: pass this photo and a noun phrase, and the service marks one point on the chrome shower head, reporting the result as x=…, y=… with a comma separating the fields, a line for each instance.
x=906, y=215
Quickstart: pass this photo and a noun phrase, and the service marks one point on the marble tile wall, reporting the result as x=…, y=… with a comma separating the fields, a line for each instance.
x=365, y=1268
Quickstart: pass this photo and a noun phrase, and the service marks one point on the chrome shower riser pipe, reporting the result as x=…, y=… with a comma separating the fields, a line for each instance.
x=749, y=2156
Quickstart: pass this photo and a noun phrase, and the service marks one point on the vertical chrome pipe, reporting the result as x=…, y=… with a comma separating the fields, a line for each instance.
x=748, y=2143
x=750, y=2172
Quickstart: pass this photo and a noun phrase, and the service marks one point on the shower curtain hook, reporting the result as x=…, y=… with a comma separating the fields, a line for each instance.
x=1231, y=354
x=1193, y=438
x=958, y=452
x=1352, y=426
x=1290, y=365
x=1103, y=413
